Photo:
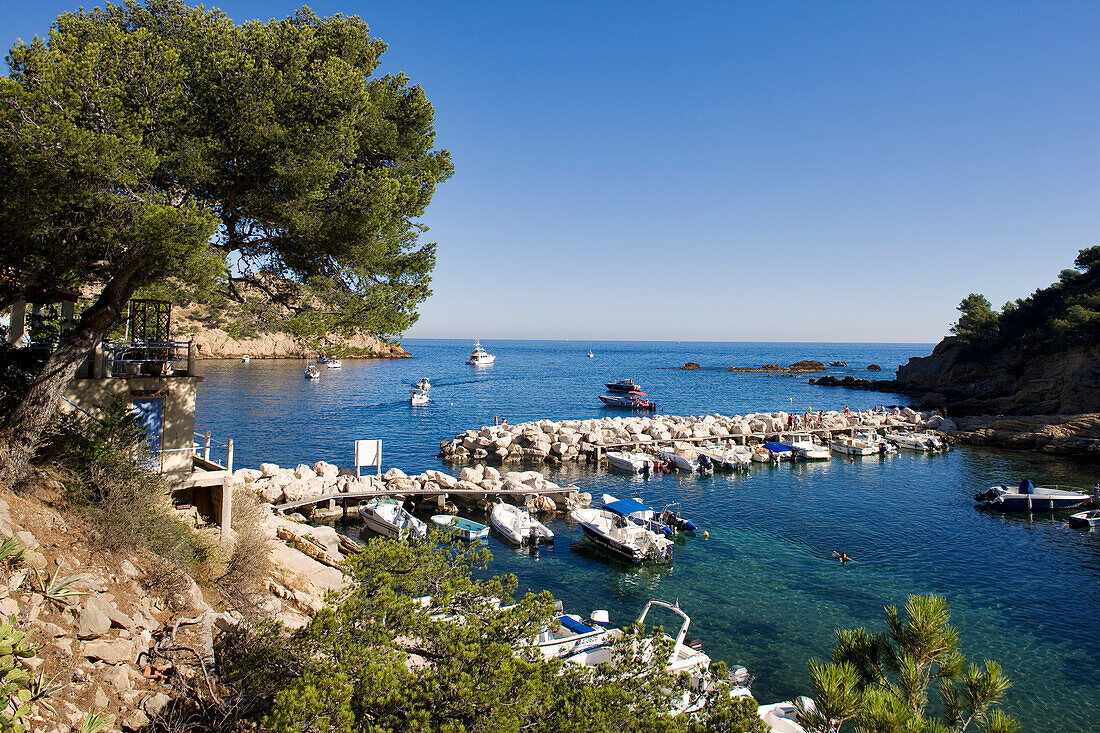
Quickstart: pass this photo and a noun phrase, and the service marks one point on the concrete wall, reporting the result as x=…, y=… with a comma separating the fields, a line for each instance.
x=178, y=422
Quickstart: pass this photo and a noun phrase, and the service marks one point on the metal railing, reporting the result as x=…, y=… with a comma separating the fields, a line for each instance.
x=209, y=450
x=146, y=358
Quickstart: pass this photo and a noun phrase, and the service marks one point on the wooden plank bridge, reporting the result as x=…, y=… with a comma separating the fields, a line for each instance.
x=444, y=493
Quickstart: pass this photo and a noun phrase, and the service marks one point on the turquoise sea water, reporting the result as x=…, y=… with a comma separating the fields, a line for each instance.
x=762, y=591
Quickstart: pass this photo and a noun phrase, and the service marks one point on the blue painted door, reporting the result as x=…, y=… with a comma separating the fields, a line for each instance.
x=150, y=412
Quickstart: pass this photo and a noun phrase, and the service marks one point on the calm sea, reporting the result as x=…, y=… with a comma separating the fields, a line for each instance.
x=762, y=591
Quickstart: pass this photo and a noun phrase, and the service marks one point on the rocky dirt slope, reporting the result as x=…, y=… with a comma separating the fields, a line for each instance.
x=121, y=639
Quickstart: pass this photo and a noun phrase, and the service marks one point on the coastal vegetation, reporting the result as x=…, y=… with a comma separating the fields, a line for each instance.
x=166, y=146
x=881, y=681
x=1065, y=313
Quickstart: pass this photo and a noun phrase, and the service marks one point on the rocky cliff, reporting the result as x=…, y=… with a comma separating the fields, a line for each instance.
x=1006, y=381
x=215, y=339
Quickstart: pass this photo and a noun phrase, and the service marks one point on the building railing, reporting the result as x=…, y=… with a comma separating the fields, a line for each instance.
x=146, y=358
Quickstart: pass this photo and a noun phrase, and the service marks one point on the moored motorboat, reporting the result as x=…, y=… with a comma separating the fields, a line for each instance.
x=1090, y=518
x=727, y=458
x=667, y=521
x=312, y=372
x=334, y=364
x=623, y=385
x=1028, y=497
x=779, y=451
x=919, y=442
x=615, y=534
x=387, y=517
x=518, y=526
x=686, y=657
x=569, y=635
x=782, y=717
x=806, y=449
x=466, y=529
x=479, y=356
x=860, y=444
x=631, y=463
x=246, y=358
x=685, y=459
x=630, y=401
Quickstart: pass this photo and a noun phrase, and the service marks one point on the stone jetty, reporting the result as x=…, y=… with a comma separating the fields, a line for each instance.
x=478, y=483
x=575, y=440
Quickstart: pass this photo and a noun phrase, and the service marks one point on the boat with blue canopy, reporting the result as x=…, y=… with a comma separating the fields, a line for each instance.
x=779, y=451
x=1028, y=497
x=667, y=521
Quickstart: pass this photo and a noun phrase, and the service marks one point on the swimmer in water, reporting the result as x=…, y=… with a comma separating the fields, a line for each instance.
x=842, y=556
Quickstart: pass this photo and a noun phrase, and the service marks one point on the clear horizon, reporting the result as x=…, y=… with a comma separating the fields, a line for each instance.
x=840, y=172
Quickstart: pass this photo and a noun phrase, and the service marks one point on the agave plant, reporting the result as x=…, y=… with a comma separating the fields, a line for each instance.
x=94, y=722
x=58, y=589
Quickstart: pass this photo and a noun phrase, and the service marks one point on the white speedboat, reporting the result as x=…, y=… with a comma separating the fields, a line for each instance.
x=424, y=384
x=630, y=462
x=738, y=456
x=860, y=444
x=517, y=524
x=418, y=396
x=919, y=442
x=569, y=635
x=666, y=521
x=1089, y=518
x=685, y=658
x=479, y=356
x=617, y=535
x=1028, y=497
x=387, y=517
x=782, y=717
x=333, y=364
x=806, y=449
x=246, y=358
x=685, y=459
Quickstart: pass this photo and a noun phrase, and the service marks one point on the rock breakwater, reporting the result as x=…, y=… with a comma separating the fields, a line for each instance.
x=576, y=440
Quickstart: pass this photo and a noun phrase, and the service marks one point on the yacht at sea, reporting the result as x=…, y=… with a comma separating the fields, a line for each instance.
x=479, y=356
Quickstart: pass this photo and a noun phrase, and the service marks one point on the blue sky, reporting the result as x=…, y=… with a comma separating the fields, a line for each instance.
x=787, y=171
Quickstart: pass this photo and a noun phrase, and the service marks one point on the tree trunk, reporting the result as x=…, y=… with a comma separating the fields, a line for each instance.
x=21, y=430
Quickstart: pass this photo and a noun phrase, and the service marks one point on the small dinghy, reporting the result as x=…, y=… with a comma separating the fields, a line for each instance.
x=518, y=526
x=466, y=529
x=387, y=517
x=1028, y=497
x=615, y=534
x=245, y=359
x=1087, y=519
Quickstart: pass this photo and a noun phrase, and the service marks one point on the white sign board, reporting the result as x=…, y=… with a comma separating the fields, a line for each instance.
x=368, y=453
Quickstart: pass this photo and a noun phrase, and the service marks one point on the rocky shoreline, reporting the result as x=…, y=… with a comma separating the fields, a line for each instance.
x=1065, y=435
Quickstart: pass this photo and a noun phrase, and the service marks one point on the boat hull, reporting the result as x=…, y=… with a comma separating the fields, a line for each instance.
x=609, y=545
x=1085, y=519
x=464, y=528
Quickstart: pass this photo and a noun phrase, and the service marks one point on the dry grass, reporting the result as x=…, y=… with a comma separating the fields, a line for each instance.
x=243, y=585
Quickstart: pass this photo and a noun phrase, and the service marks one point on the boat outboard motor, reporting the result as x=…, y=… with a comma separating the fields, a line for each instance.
x=987, y=495
x=705, y=465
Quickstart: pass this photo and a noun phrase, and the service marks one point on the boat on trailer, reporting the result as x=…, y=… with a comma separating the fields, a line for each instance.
x=620, y=537
x=1027, y=497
